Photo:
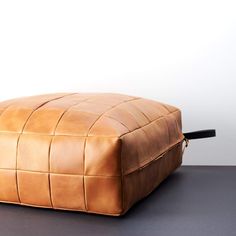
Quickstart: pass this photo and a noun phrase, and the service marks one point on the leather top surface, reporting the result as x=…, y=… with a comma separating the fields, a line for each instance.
x=80, y=114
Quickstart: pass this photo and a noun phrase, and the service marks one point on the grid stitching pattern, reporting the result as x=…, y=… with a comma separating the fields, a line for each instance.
x=17, y=145
x=53, y=135
x=150, y=123
x=155, y=157
x=84, y=158
x=103, y=114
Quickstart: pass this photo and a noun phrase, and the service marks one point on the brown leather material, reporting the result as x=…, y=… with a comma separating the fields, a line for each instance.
x=94, y=152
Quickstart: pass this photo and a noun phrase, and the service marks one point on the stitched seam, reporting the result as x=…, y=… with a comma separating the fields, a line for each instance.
x=130, y=113
x=50, y=145
x=155, y=158
x=18, y=139
x=122, y=174
x=164, y=105
x=142, y=112
x=49, y=178
x=85, y=143
x=60, y=208
x=67, y=135
x=140, y=164
x=168, y=130
x=160, y=117
x=121, y=177
x=4, y=109
x=176, y=123
x=49, y=163
x=179, y=128
x=121, y=123
x=84, y=189
x=111, y=108
x=103, y=176
x=162, y=180
x=83, y=136
x=97, y=120
x=66, y=174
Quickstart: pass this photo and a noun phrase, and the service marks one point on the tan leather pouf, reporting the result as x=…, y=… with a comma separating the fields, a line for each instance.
x=92, y=152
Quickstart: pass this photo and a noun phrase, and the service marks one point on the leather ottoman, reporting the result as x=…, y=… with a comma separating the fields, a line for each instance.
x=91, y=152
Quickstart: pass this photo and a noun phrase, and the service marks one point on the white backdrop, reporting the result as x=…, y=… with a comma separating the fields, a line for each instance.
x=178, y=52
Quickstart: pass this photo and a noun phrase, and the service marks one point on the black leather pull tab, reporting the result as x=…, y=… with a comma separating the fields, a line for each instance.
x=200, y=134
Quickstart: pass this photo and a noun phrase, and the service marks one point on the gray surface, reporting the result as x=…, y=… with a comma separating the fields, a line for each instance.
x=192, y=201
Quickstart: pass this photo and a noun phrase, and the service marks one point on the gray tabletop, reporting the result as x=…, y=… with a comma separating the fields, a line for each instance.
x=192, y=201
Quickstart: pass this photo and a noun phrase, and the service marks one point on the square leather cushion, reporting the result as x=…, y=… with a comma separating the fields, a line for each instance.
x=89, y=152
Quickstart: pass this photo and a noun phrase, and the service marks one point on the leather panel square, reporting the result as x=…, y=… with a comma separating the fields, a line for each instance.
x=103, y=194
x=33, y=152
x=8, y=147
x=8, y=188
x=34, y=188
x=67, y=154
x=67, y=191
x=102, y=156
